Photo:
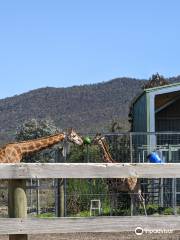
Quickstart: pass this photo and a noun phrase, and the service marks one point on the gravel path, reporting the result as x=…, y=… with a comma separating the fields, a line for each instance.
x=102, y=236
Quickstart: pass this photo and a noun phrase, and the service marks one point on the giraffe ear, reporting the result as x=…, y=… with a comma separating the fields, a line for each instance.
x=98, y=134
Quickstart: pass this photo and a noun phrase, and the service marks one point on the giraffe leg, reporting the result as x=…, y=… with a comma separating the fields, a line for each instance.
x=137, y=201
x=136, y=204
x=144, y=206
x=132, y=205
x=142, y=202
x=113, y=203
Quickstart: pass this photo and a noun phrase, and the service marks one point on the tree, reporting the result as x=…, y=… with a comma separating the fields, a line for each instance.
x=33, y=129
x=155, y=81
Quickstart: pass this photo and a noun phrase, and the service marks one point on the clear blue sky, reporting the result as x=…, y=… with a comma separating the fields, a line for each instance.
x=70, y=42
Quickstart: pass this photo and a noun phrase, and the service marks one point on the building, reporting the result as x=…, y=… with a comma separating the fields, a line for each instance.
x=157, y=109
x=156, y=127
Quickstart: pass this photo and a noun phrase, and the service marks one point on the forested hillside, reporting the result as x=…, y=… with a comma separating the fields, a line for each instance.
x=87, y=108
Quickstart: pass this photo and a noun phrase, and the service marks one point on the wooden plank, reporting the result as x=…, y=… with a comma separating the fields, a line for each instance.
x=94, y=224
x=89, y=170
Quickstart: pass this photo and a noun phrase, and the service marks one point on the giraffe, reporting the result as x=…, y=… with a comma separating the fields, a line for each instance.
x=14, y=152
x=130, y=185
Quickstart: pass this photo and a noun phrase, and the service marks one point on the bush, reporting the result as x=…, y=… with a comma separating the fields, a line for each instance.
x=46, y=215
x=168, y=211
x=154, y=208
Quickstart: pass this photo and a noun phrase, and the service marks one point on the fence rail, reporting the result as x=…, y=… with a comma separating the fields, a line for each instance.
x=89, y=170
x=93, y=224
x=23, y=226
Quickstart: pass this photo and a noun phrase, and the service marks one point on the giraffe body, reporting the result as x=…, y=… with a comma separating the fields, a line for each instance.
x=14, y=152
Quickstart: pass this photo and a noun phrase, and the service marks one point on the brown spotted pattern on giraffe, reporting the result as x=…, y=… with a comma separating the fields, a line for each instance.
x=18, y=149
x=14, y=152
x=2, y=155
x=45, y=142
x=8, y=151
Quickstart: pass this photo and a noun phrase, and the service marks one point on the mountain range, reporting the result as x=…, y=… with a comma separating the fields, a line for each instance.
x=87, y=108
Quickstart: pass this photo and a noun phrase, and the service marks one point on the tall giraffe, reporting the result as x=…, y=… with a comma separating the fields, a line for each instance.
x=130, y=185
x=14, y=152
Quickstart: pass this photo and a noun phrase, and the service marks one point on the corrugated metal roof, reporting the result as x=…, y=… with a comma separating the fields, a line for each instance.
x=148, y=90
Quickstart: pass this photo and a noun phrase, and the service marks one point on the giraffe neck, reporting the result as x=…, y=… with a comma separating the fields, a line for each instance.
x=106, y=154
x=35, y=145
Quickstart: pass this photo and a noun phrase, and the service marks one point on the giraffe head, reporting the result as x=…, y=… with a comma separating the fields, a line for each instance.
x=73, y=137
x=102, y=143
x=98, y=139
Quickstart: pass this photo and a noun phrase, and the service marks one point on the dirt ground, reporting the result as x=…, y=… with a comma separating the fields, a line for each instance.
x=101, y=236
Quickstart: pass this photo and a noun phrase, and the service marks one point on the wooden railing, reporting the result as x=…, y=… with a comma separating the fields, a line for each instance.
x=18, y=226
x=89, y=170
x=89, y=224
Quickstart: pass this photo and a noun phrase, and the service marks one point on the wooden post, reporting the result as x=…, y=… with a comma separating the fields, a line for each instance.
x=59, y=188
x=38, y=209
x=60, y=195
x=31, y=199
x=17, y=204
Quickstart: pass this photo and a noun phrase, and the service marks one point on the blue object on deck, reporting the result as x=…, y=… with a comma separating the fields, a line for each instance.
x=154, y=158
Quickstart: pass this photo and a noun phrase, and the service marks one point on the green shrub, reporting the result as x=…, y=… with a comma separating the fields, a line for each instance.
x=83, y=214
x=168, y=211
x=152, y=208
x=46, y=215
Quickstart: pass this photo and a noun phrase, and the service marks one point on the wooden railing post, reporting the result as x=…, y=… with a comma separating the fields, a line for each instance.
x=38, y=209
x=17, y=204
x=60, y=203
x=59, y=186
